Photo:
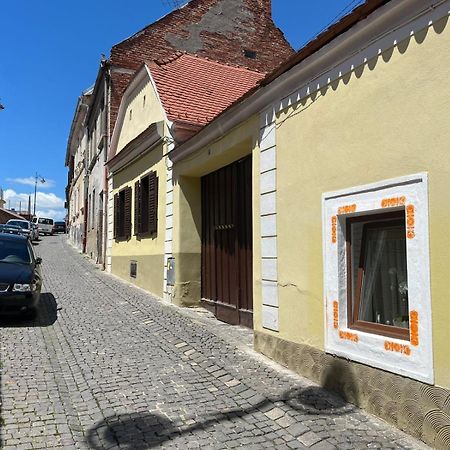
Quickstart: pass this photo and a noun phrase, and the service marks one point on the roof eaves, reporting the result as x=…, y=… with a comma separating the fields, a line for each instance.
x=344, y=24
x=324, y=38
x=82, y=103
x=101, y=71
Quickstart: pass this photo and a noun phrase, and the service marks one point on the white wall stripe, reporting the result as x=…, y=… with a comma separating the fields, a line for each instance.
x=268, y=209
x=270, y=317
x=268, y=181
x=168, y=244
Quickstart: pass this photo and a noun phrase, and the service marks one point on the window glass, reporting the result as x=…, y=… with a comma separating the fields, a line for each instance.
x=45, y=221
x=379, y=283
x=19, y=223
x=14, y=252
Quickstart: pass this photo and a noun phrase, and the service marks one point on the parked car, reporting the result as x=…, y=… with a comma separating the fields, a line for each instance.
x=35, y=232
x=20, y=275
x=10, y=229
x=59, y=227
x=45, y=225
x=25, y=225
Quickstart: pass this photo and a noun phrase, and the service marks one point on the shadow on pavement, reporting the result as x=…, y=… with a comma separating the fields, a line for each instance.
x=47, y=314
x=139, y=431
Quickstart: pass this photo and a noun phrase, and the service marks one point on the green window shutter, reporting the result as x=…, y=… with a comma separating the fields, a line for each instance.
x=137, y=208
x=116, y=216
x=153, y=202
x=127, y=213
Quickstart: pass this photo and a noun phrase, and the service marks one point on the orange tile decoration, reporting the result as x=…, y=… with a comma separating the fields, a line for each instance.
x=394, y=201
x=335, y=314
x=414, y=328
x=410, y=222
x=346, y=335
x=347, y=209
x=398, y=348
x=333, y=229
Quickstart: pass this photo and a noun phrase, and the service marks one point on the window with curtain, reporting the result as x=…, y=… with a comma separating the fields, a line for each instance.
x=378, y=283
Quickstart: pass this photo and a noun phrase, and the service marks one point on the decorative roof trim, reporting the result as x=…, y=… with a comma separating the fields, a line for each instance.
x=389, y=22
x=139, y=146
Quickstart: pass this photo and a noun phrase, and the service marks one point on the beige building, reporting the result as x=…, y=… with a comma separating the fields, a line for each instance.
x=313, y=210
x=76, y=156
x=166, y=103
x=347, y=142
x=261, y=46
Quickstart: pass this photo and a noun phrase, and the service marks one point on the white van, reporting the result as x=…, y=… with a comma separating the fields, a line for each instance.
x=45, y=225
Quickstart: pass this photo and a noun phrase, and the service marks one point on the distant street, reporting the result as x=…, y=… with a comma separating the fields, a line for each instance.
x=107, y=366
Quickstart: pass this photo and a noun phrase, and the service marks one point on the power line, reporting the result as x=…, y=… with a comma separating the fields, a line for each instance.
x=338, y=16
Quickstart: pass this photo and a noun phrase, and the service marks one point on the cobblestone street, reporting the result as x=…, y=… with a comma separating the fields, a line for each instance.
x=106, y=365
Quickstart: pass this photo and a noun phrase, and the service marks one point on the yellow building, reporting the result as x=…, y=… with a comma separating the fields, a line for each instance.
x=166, y=103
x=347, y=145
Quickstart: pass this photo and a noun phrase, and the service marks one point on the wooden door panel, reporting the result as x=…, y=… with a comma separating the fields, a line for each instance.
x=227, y=287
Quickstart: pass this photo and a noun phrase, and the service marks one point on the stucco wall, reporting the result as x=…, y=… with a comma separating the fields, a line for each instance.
x=96, y=185
x=147, y=250
x=385, y=120
x=233, y=146
x=139, y=113
x=76, y=230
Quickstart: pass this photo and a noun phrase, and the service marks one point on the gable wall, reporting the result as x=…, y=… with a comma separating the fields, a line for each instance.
x=216, y=29
x=139, y=114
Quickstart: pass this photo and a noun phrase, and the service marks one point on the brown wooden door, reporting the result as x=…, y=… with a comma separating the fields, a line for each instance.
x=227, y=288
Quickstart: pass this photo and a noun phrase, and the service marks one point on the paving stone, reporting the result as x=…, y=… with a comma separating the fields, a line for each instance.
x=275, y=413
x=107, y=366
x=309, y=438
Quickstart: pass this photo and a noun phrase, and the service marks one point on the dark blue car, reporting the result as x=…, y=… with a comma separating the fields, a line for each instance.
x=20, y=275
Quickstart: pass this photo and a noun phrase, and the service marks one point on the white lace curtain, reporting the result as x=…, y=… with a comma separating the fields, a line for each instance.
x=384, y=291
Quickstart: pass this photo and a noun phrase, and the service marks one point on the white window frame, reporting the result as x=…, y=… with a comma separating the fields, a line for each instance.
x=413, y=358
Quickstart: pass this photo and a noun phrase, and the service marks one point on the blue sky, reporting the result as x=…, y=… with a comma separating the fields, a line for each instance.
x=50, y=52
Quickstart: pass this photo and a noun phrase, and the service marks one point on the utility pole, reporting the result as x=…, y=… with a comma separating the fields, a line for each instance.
x=41, y=180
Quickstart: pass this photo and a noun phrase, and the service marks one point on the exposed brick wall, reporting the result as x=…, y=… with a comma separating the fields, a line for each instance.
x=217, y=29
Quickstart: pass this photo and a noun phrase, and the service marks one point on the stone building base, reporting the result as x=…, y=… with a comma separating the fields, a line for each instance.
x=415, y=407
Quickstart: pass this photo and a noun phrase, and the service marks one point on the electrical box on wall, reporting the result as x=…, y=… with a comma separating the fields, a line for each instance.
x=133, y=269
x=170, y=271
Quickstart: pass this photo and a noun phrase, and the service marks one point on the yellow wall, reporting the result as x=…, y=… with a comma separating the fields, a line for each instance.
x=148, y=251
x=388, y=120
x=142, y=114
x=187, y=174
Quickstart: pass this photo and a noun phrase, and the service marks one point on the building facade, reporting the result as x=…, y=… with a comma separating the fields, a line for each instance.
x=239, y=32
x=166, y=103
x=347, y=147
x=76, y=160
x=313, y=209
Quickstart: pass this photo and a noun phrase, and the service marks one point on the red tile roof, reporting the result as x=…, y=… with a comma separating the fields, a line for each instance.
x=194, y=90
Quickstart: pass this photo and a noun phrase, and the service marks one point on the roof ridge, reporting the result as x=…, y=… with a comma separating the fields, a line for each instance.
x=234, y=66
x=168, y=59
x=178, y=54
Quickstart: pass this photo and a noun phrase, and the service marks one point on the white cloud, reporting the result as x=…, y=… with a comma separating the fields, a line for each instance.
x=29, y=181
x=47, y=204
